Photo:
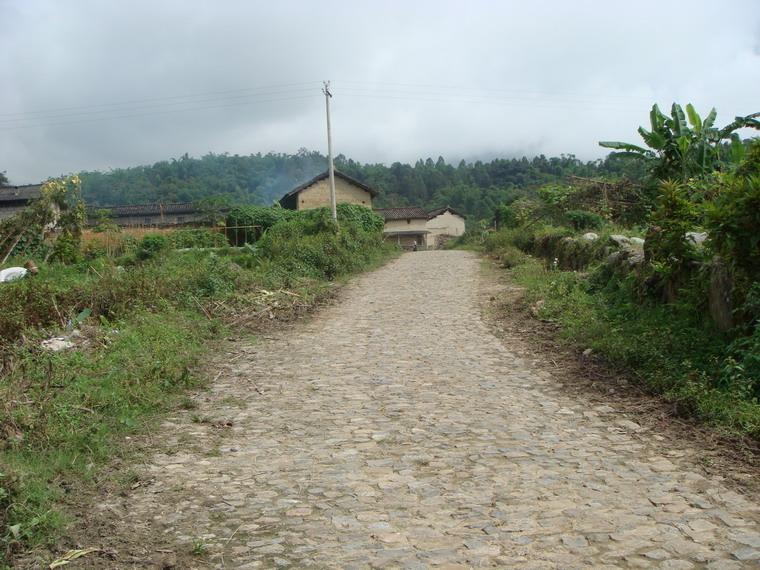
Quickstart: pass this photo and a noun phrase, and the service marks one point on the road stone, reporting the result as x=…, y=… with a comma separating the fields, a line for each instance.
x=393, y=429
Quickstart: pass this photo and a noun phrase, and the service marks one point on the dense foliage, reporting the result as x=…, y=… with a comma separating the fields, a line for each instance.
x=678, y=150
x=680, y=308
x=51, y=227
x=475, y=188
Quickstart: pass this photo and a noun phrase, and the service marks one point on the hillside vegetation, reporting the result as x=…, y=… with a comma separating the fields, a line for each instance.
x=662, y=277
x=138, y=319
x=475, y=188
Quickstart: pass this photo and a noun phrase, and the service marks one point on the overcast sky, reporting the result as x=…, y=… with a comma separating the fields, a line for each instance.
x=103, y=84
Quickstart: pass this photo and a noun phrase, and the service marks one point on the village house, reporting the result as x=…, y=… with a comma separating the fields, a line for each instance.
x=406, y=227
x=13, y=199
x=442, y=225
x=151, y=215
x=316, y=193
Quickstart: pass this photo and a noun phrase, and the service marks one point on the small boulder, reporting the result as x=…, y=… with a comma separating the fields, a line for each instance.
x=697, y=238
x=590, y=236
x=57, y=344
x=620, y=240
x=637, y=241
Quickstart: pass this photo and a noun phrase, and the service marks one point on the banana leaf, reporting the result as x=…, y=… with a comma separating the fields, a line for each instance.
x=694, y=118
x=616, y=145
x=680, y=128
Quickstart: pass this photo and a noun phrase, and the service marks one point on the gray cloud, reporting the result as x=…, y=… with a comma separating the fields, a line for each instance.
x=141, y=81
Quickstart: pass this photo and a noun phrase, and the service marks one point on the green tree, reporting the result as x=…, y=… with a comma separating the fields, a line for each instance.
x=679, y=150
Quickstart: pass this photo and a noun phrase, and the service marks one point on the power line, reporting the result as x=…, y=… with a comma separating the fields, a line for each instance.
x=292, y=91
x=168, y=104
x=514, y=102
x=166, y=111
x=169, y=97
x=528, y=92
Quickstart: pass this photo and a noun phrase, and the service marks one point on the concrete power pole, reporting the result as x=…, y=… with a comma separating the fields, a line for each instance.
x=330, y=166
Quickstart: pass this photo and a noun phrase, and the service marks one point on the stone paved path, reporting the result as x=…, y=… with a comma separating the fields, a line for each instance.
x=394, y=430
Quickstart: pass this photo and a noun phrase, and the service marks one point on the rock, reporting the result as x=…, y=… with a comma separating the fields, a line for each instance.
x=657, y=554
x=587, y=352
x=590, y=236
x=56, y=344
x=620, y=240
x=12, y=274
x=697, y=238
x=746, y=553
x=637, y=241
x=574, y=542
x=626, y=258
x=629, y=425
x=535, y=309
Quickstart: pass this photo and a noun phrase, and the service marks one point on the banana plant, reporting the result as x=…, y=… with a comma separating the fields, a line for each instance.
x=683, y=145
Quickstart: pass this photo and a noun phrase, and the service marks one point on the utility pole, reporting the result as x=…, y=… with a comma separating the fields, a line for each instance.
x=330, y=166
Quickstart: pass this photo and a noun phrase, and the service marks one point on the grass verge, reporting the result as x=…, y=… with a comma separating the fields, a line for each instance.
x=672, y=348
x=143, y=322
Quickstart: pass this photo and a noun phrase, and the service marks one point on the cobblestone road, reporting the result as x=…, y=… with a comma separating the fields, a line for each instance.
x=394, y=430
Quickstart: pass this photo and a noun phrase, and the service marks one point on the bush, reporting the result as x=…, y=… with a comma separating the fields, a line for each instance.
x=261, y=217
x=360, y=216
x=151, y=245
x=182, y=239
x=733, y=218
x=582, y=220
x=509, y=257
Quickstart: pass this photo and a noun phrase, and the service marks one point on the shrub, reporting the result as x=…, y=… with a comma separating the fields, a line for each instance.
x=262, y=217
x=733, y=218
x=582, y=220
x=360, y=216
x=189, y=238
x=510, y=256
x=151, y=245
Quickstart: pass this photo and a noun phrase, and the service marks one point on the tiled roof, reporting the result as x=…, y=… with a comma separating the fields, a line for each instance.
x=325, y=174
x=438, y=211
x=15, y=193
x=408, y=213
x=149, y=209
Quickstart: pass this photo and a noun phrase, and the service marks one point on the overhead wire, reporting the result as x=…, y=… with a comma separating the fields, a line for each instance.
x=150, y=113
x=151, y=106
x=168, y=97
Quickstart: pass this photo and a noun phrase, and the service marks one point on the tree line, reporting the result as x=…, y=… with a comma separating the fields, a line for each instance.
x=476, y=188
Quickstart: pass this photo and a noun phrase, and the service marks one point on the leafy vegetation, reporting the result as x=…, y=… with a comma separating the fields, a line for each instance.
x=50, y=227
x=475, y=188
x=143, y=320
x=659, y=309
x=679, y=151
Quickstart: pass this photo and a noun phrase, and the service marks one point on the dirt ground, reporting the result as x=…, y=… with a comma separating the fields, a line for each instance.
x=422, y=420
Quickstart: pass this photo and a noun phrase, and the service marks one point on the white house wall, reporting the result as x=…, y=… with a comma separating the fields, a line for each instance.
x=445, y=224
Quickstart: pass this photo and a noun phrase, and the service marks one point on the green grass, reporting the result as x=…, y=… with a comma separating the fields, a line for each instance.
x=63, y=412
x=674, y=349
x=152, y=319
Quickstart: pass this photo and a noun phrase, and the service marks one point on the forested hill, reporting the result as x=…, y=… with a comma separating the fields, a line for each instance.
x=474, y=187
